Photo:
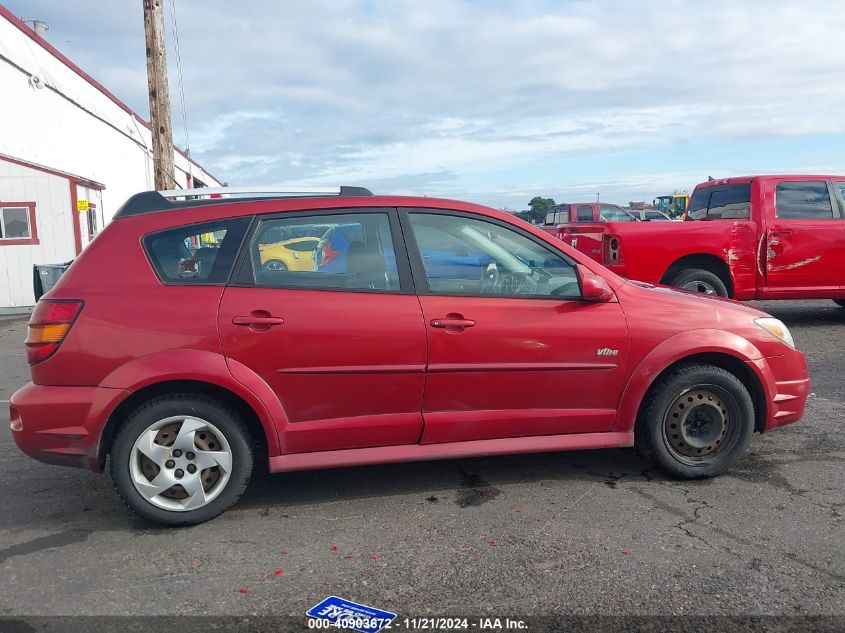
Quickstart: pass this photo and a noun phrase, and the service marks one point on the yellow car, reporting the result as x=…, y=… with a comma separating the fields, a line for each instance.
x=296, y=254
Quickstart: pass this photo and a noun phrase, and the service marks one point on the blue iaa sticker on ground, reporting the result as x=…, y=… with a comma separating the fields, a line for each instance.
x=350, y=615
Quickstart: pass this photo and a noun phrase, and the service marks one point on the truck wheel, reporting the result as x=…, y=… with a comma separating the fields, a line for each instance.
x=181, y=459
x=700, y=280
x=696, y=422
x=839, y=302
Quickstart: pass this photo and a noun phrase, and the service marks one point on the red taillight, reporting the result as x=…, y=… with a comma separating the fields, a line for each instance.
x=48, y=327
x=328, y=254
x=611, y=250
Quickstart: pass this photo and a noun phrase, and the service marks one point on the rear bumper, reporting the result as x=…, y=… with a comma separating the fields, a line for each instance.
x=62, y=425
x=787, y=385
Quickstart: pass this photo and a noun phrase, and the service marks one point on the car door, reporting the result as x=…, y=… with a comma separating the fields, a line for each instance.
x=805, y=248
x=513, y=350
x=343, y=348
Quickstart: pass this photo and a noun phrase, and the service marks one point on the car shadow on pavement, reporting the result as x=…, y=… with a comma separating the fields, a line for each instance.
x=470, y=481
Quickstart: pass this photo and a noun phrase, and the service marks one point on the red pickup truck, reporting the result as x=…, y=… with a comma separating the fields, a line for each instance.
x=754, y=237
x=583, y=220
x=586, y=212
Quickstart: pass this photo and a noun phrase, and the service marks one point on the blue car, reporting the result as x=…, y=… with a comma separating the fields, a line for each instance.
x=456, y=261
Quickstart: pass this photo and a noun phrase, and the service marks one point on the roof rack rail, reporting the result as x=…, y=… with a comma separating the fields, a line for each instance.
x=172, y=199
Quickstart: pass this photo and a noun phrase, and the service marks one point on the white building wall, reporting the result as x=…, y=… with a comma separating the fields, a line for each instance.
x=72, y=126
x=53, y=116
x=52, y=198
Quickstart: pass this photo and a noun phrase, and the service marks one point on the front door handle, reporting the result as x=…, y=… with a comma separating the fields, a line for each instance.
x=251, y=320
x=453, y=323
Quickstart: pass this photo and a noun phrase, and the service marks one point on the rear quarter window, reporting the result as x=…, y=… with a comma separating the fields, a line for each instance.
x=721, y=202
x=196, y=253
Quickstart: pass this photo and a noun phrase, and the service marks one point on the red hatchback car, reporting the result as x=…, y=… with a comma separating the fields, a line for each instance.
x=168, y=349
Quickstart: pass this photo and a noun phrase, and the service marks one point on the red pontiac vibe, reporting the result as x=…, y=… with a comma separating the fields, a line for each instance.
x=423, y=329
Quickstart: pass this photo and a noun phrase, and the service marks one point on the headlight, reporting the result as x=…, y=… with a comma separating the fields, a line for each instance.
x=776, y=328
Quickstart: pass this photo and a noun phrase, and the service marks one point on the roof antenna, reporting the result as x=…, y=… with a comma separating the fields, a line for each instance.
x=710, y=179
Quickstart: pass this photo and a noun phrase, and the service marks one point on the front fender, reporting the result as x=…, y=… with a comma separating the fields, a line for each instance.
x=677, y=348
x=209, y=367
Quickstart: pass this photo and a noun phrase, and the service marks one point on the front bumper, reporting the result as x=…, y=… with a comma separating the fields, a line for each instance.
x=62, y=425
x=787, y=385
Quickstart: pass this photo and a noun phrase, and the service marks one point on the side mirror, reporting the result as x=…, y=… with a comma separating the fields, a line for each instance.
x=593, y=287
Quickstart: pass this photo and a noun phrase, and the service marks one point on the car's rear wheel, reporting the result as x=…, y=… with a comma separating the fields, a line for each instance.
x=274, y=264
x=700, y=280
x=181, y=459
x=839, y=302
x=696, y=421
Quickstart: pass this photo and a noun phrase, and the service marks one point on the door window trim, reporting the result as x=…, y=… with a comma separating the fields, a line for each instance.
x=418, y=266
x=836, y=189
x=243, y=277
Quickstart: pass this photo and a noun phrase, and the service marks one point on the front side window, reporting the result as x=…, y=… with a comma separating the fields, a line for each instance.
x=198, y=253
x=808, y=200
x=344, y=251
x=466, y=256
x=14, y=223
x=584, y=212
x=724, y=202
x=611, y=213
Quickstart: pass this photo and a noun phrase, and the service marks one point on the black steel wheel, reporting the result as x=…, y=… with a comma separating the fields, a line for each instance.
x=696, y=421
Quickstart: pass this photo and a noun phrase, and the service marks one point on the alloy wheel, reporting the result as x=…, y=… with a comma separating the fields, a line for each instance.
x=180, y=463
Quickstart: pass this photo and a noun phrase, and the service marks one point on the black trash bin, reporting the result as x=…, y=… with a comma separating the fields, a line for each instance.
x=45, y=276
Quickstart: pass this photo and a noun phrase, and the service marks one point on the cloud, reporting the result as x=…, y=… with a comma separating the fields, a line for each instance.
x=457, y=96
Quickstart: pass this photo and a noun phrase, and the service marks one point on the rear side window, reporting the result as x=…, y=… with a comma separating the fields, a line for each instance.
x=198, y=253
x=809, y=200
x=728, y=202
x=351, y=251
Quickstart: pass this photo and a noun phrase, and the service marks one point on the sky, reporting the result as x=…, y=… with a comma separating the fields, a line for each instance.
x=492, y=101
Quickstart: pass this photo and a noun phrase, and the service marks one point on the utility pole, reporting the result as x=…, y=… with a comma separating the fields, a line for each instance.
x=160, y=126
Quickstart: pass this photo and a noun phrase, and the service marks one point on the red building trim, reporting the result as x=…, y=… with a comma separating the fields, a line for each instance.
x=91, y=184
x=31, y=34
x=33, y=227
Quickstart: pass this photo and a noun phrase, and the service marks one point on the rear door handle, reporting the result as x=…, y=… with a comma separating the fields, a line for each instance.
x=258, y=320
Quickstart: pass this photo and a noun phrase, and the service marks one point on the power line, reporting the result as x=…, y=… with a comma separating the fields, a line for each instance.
x=175, y=29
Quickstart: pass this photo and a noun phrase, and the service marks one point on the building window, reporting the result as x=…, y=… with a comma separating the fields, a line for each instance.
x=17, y=223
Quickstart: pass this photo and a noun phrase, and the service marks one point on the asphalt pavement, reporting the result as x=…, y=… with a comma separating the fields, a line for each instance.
x=592, y=532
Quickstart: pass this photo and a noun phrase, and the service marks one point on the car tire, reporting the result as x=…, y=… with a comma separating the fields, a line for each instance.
x=839, y=302
x=274, y=264
x=700, y=280
x=181, y=459
x=696, y=422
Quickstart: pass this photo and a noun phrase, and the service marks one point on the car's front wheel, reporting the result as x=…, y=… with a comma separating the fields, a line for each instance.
x=696, y=422
x=181, y=459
